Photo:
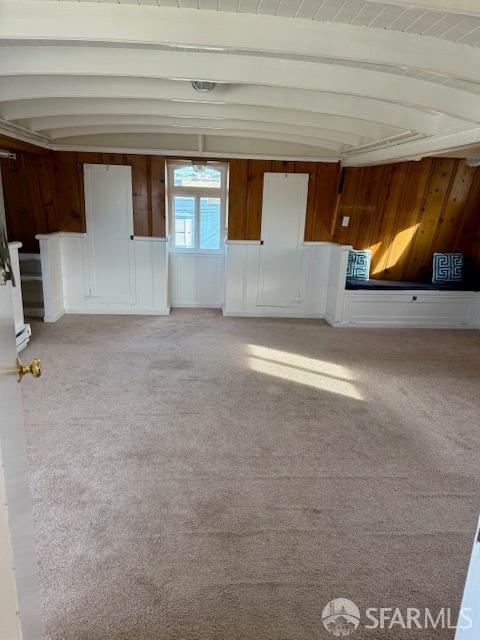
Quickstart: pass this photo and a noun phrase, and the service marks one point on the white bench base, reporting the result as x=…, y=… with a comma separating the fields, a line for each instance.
x=427, y=309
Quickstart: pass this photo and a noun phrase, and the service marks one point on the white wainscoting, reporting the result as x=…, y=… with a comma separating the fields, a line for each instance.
x=150, y=266
x=52, y=278
x=242, y=277
x=197, y=279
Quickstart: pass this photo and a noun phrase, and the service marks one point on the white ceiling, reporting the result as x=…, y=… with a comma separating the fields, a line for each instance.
x=359, y=81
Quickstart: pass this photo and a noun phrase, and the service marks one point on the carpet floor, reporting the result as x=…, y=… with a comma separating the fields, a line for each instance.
x=205, y=478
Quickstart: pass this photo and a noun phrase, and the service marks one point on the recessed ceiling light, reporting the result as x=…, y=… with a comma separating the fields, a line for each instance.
x=203, y=86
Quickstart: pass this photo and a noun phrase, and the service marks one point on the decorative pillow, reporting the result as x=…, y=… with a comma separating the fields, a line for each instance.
x=447, y=267
x=358, y=266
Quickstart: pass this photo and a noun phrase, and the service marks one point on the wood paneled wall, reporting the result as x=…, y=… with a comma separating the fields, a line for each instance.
x=405, y=212
x=246, y=193
x=29, y=193
x=44, y=193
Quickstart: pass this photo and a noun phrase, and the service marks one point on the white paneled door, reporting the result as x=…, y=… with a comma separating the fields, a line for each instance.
x=280, y=273
x=109, y=217
x=19, y=586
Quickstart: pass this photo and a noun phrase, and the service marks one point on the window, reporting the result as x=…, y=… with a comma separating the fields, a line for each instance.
x=197, y=206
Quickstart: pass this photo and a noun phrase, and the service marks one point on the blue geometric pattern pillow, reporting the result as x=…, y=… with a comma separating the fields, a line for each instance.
x=358, y=265
x=447, y=267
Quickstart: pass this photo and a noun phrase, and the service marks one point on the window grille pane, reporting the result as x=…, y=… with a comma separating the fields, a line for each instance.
x=210, y=220
x=205, y=177
x=184, y=222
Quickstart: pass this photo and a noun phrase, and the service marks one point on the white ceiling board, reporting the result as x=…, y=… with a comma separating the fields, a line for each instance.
x=247, y=6
x=306, y=10
x=268, y=7
x=288, y=8
x=230, y=6
x=366, y=15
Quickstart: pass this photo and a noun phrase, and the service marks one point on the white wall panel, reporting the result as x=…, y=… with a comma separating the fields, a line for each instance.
x=281, y=271
x=109, y=218
x=241, y=282
x=52, y=280
x=150, y=272
x=197, y=280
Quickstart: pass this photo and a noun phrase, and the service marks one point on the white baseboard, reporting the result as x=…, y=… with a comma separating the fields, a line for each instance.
x=187, y=305
x=54, y=317
x=405, y=324
x=270, y=314
x=118, y=312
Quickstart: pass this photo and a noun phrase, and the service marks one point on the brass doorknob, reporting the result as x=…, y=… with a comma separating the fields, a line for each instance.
x=35, y=368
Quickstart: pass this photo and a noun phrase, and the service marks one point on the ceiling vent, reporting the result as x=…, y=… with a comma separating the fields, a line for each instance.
x=203, y=86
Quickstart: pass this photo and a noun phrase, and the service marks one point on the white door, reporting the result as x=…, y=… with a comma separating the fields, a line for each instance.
x=468, y=624
x=109, y=217
x=281, y=253
x=19, y=589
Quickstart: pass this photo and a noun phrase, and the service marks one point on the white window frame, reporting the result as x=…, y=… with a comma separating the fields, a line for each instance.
x=197, y=193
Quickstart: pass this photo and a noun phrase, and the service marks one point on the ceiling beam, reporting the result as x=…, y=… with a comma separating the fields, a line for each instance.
x=357, y=107
x=116, y=23
x=237, y=69
x=33, y=113
x=41, y=125
x=75, y=132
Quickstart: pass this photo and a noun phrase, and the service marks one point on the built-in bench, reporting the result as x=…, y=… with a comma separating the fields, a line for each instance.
x=387, y=303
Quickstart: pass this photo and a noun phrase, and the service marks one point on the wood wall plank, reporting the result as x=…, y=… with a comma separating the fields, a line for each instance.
x=140, y=188
x=311, y=169
x=419, y=262
x=157, y=197
x=348, y=199
x=20, y=216
x=325, y=186
x=386, y=240
x=69, y=192
x=237, y=199
x=256, y=169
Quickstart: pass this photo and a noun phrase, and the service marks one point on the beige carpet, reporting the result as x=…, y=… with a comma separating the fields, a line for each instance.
x=199, y=477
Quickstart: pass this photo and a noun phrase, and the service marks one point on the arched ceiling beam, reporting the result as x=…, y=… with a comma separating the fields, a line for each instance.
x=33, y=114
x=214, y=29
x=40, y=125
x=75, y=132
x=237, y=69
x=378, y=111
